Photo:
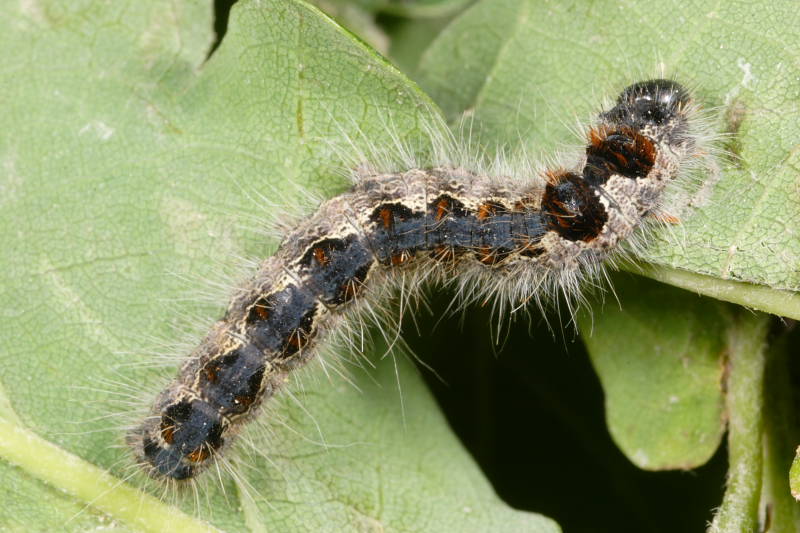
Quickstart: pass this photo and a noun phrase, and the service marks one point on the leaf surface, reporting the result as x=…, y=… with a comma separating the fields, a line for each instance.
x=662, y=370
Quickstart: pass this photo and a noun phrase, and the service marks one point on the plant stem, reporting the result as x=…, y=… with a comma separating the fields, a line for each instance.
x=745, y=405
x=89, y=483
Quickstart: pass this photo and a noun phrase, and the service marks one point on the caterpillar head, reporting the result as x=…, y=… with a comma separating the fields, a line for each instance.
x=652, y=103
x=180, y=441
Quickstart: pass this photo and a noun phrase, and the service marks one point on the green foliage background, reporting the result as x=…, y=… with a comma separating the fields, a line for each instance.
x=125, y=155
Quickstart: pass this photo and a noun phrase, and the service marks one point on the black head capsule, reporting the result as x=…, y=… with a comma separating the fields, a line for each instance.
x=651, y=102
x=189, y=431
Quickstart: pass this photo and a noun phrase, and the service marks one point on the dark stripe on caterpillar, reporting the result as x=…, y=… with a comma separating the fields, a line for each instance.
x=445, y=219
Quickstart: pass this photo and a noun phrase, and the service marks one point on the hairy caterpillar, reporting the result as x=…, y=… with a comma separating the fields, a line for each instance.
x=446, y=223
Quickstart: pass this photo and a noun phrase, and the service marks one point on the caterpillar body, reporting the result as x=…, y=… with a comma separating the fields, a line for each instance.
x=447, y=222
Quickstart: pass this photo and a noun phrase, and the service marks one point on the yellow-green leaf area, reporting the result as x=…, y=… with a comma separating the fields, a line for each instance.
x=661, y=367
x=794, y=477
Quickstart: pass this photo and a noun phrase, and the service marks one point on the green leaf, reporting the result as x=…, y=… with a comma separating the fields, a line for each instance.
x=411, y=37
x=124, y=158
x=794, y=476
x=358, y=19
x=661, y=370
x=408, y=8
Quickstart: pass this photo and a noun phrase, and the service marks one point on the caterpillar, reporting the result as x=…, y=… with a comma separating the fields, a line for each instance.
x=538, y=234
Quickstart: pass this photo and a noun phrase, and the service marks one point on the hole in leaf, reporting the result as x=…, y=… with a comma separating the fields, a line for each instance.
x=222, y=11
x=531, y=413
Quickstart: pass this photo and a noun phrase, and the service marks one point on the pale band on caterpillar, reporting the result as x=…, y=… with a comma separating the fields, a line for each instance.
x=514, y=239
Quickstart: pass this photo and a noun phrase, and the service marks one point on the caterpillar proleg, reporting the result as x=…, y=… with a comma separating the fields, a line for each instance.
x=536, y=235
